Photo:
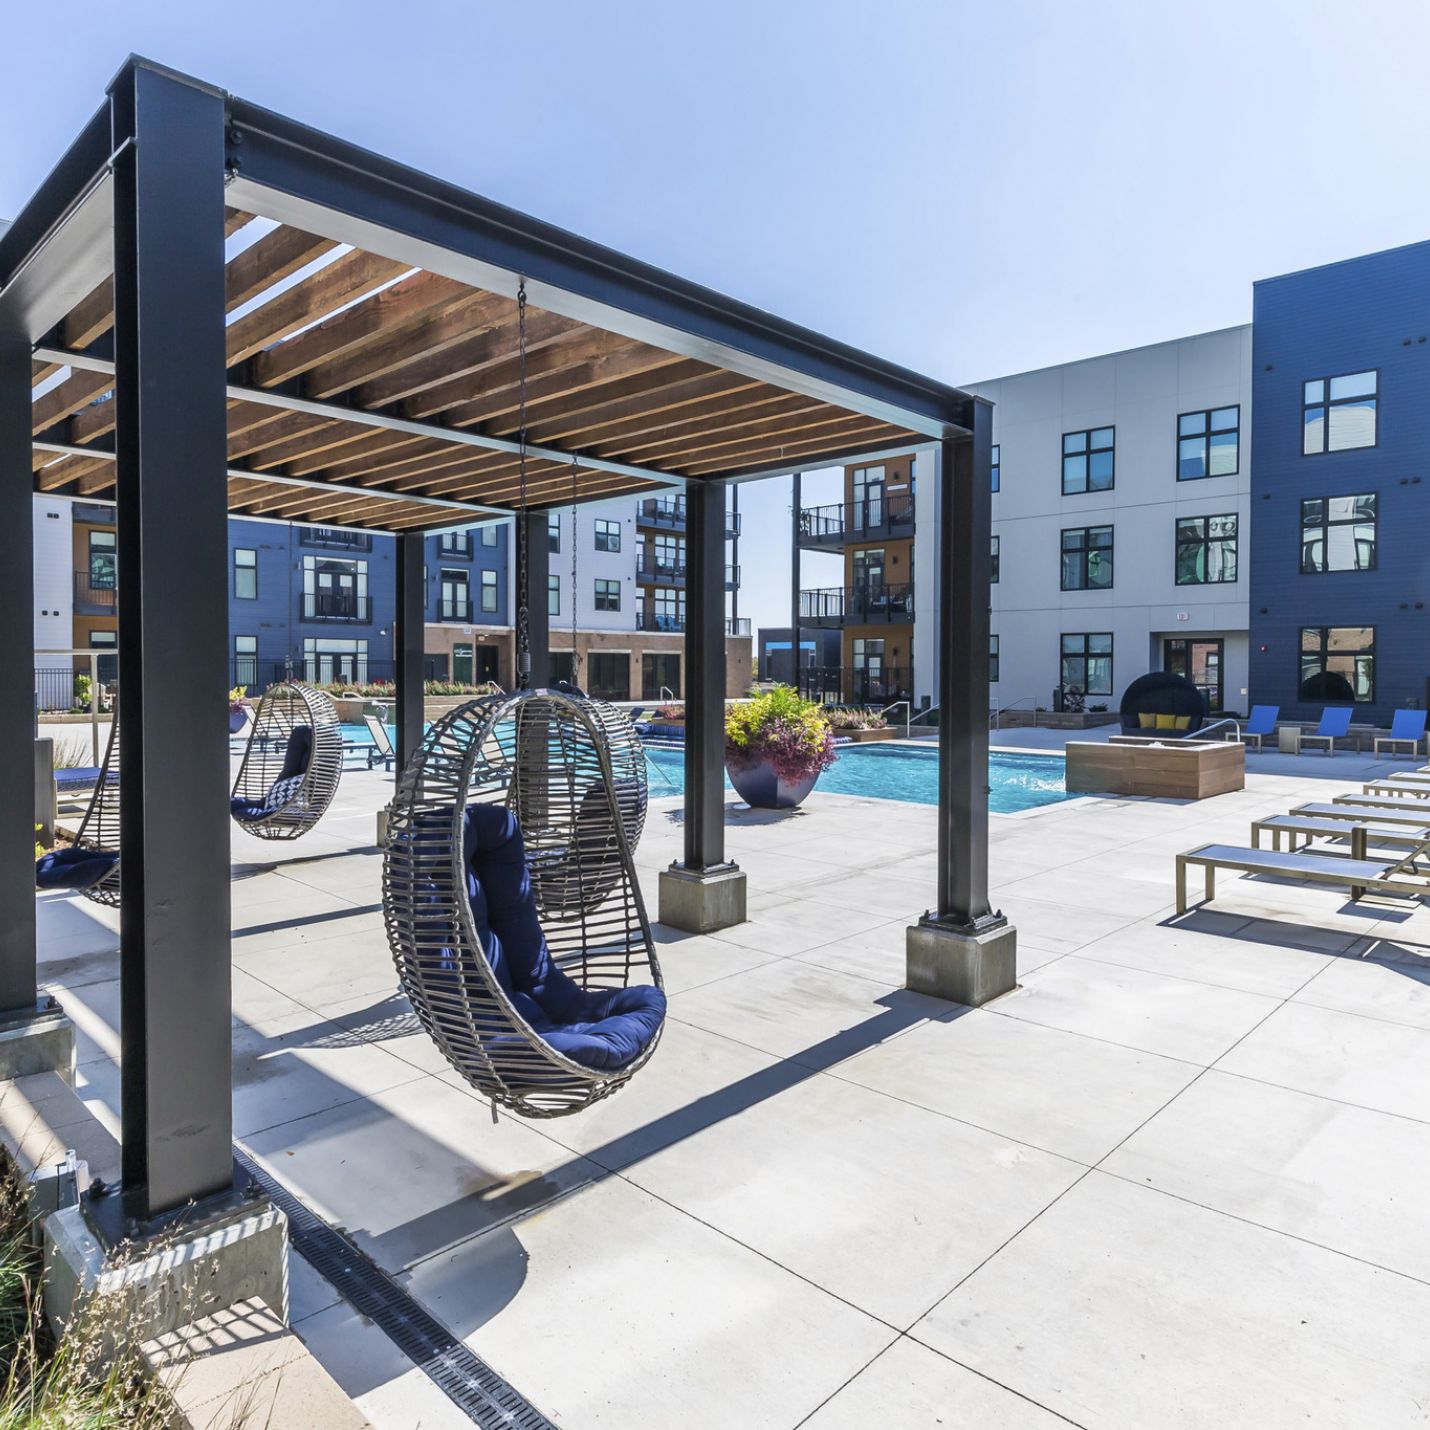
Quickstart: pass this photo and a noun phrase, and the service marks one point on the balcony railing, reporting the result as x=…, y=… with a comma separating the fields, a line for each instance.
x=857, y=605
x=330, y=536
x=668, y=573
x=96, y=590
x=456, y=608
x=336, y=606
x=732, y=524
x=868, y=519
x=856, y=685
x=659, y=621
x=668, y=512
x=732, y=577
x=737, y=625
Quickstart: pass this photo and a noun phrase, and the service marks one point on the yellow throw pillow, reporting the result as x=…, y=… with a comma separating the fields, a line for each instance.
x=1166, y=722
x=1146, y=722
x=1184, y=722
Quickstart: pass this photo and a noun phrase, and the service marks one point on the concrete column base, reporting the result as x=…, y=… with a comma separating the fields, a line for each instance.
x=382, y=815
x=160, y=1285
x=38, y=1042
x=969, y=968
x=700, y=901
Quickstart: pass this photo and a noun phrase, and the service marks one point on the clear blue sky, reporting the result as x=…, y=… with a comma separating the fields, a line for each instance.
x=970, y=190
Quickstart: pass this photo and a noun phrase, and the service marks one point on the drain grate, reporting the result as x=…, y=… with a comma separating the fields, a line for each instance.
x=467, y=1380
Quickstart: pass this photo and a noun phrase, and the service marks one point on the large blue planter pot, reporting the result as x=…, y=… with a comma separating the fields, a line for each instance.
x=761, y=788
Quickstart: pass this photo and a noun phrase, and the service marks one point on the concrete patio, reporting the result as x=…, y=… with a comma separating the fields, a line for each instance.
x=1175, y=1179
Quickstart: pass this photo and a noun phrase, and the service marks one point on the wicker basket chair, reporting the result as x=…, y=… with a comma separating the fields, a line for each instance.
x=562, y=765
x=269, y=799
x=99, y=829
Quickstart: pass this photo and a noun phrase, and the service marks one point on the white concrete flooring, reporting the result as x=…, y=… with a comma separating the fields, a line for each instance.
x=1177, y=1179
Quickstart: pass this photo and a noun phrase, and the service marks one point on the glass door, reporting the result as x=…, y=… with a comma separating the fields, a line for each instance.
x=1200, y=662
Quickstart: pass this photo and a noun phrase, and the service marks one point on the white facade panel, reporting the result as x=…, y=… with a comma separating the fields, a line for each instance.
x=54, y=582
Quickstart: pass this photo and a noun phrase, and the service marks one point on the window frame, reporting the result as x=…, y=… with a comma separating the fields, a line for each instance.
x=1204, y=544
x=1327, y=525
x=1086, y=453
x=1324, y=652
x=553, y=533
x=490, y=585
x=604, y=529
x=601, y=598
x=994, y=659
x=1327, y=402
x=1086, y=654
x=247, y=566
x=995, y=466
x=489, y=534
x=1206, y=435
x=1085, y=551
x=995, y=557
x=553, y=594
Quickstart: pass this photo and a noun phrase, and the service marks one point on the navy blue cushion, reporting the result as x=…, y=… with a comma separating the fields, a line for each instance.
x=73, y=868
x=299, y=753
x=600, y=1028
x=296, y=758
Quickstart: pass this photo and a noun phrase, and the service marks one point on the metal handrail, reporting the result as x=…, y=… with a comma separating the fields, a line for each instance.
x=908, y=713
x=1000, y=710
x=1217, y=725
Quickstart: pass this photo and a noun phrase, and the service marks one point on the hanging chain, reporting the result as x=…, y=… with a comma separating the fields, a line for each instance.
x=575, y=654
x=523, y=575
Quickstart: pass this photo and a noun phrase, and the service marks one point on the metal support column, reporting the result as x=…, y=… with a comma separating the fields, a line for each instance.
x=407, y=645
x=794, y=652
x=533, y=556
x=964, y=951
x=171, y=454
x=17, y=682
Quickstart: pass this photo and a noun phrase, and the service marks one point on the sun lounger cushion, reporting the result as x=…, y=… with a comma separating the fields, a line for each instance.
x=601, y=1029
x=77, y=778
x=284, y=790
x=73, y=868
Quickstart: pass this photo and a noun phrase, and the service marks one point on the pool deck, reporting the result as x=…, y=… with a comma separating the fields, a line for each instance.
x=1176, y=1179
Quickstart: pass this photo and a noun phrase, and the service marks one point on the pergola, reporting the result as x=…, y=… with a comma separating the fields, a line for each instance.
x=372, y=380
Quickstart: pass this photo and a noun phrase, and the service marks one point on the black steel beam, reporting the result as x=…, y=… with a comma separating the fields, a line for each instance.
x=965, y=570
x=17, y=684
x=705, y=678
x=796, y=499
x=171, y=449
x=408, y=637
x=533, y=570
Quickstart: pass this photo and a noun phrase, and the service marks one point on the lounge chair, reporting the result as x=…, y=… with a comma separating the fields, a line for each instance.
x=81, y=777
x=381, y=750
x=1406, y=728
x=1261, y=724
x=1335, y=723
x=1399, y=786
x=1359, y=876
x=1359, y=832
x=1382, y=811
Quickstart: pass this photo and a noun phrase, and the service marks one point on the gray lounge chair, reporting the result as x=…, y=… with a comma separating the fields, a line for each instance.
x=1358, y=876
x=1398, y=811
x=1399, y=786
x=1380, y=801
x=382, y=751
x=1359, y=832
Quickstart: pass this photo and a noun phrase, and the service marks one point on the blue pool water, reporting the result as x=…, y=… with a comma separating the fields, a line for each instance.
x=897, y=772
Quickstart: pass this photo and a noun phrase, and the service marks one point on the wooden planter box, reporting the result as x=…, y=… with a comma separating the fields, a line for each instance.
x=1141, y=765
x=1052, y=720
x=863, y=737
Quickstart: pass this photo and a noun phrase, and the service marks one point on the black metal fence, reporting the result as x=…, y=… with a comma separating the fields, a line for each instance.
x=851, y=685
x=856, y=605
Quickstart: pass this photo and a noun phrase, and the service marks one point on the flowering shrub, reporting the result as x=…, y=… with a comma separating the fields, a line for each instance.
x=792, y=734
x=844, y=717
x=670, y=712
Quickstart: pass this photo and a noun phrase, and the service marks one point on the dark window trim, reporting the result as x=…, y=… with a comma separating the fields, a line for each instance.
x=1085, y=550
x=1342, y=402
x=997, y=555
x=611, y=528
x=1325, y=632
x=1087, y=453
x=1177, y=440
x=1326, y=528
x=598, y=595
x=247, y=566
x=1085, y=655
x=1206, y=541
x=996, y=466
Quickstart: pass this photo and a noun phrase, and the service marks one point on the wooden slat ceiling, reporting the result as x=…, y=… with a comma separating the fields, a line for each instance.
x=357, y=330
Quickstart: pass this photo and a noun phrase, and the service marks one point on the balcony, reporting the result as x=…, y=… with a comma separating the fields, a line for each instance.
x=95, y=592
x=657, y=621
x=737, y=625
x=455, y=608
x=871, y=605
x=832, y=528
x=337, y=606
x=331, y=537
x=856, y=685
x=668, y=513
x=660, y=573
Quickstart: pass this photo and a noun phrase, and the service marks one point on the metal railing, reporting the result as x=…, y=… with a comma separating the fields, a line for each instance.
x=737, y=625
x=659, y=621
x=662, y=511
x=670, y=571
x=999, y=711
x=855, y=685
x=336, y=606
x=838, y=605
x=91, y=589
x=855, y=520
x=330, y=536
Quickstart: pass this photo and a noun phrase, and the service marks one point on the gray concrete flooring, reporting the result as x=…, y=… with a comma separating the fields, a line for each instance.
x=1176, y=1179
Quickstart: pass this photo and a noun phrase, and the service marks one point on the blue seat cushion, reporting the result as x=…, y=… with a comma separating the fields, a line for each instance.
x=603, y=1028
x=73, y=868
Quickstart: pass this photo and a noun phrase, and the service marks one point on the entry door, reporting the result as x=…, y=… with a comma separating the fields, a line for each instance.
x=462, y=664
x=1201, y=662
x=337, y=593
x=486, y=667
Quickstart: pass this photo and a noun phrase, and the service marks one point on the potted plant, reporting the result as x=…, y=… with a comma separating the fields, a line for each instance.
x=237, y=710
x=776, y=747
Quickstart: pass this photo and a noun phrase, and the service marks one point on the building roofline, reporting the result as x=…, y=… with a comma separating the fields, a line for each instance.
x=1342, y=262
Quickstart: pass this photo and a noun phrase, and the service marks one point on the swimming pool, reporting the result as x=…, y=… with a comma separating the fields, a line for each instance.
x=1015, y=782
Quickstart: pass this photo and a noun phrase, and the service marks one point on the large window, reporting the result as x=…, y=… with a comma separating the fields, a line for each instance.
x=489, y=535
x=1087, y=663
x=1087, y=558
x=993, y=660
x=660, y=671
x=997, y=464
x=245, y=660
x=1338, y=534
x=1337, y=664
x=608, y=594
x=608, y=675
x=455, y=543
x=553, y=595
x=1208, y=443
x=102, y=562
x=1206, y=550
x=608, y=535
x=456, y=595
x=489, y=591
x=1088, y=460
x=553, y=531
x=997, y=543
x=326, y=660
x=245, y=573
x=1338, y=413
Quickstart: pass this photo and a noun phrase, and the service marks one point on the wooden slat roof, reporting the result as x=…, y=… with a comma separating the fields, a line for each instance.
x=401, y=385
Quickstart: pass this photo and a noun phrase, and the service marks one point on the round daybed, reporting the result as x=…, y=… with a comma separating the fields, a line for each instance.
x=1162, y=704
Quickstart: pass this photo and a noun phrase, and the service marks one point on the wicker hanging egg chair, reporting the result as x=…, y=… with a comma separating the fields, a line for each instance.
x=91, y=863
x=511, y=900
x=291, y=764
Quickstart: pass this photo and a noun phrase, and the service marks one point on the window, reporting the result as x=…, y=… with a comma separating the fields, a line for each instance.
x=553, y=595
x=1338, y=534
x=328, y=660
x=869, y=489
x=993, y=578
x=456, y=594
x=659, y=671
x=489, y=591
x=245, y=660
x=669, y=610
x=1208, y=443
x=454, y=543
x=1337, y=664
x=1206, y=550
x=553, y=531
x=997, y=464
x=102, y=568
x=245, y=574
x=608, y=675
x=106, y=666
x=608, y=594
x=489, y=536
x=993, y=660
x=608, y=535
x=1087, y=663
x=1338, y=413
x=563, y=667
x=1087, y=461
x=335, y=589
x=1087, y=558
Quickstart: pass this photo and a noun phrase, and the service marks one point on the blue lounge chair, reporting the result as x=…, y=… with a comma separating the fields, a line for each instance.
x=1335, y=722
x=77, y=778
x=1407, y=728
x=1261, y=724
